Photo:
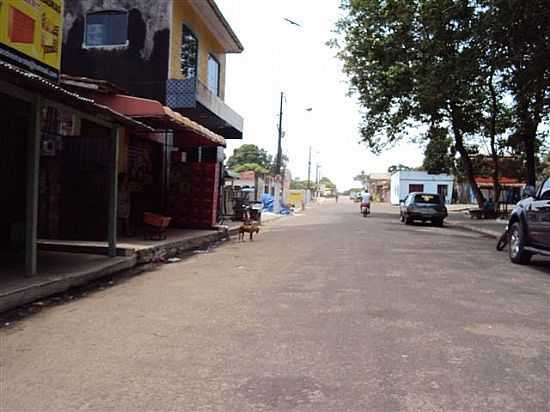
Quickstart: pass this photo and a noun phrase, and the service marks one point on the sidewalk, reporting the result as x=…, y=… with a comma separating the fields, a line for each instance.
x=66, y=264
x=489, y=227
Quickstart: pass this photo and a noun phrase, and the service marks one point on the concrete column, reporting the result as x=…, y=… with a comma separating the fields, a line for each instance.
x=32, y=180
x=113, y=192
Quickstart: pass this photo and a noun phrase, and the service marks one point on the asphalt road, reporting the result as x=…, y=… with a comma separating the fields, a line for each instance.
x=327, y=311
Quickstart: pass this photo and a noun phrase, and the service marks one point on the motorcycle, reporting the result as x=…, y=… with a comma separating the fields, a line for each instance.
x=365, y=210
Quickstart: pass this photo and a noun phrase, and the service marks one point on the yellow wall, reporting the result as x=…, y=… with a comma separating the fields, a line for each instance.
x=183, y=13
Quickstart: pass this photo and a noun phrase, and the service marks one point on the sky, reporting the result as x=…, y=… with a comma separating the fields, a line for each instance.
x=279, y=56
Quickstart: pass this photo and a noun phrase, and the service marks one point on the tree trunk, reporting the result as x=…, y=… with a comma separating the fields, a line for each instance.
x=529, y=115
x=468, y=166
x=493, y=133
x=530, y=161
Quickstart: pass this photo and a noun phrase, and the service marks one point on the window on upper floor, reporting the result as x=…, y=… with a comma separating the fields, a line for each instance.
x=213, y=75
x=106, y=28
x=189, y=53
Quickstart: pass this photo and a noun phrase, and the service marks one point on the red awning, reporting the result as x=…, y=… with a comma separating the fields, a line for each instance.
x=161, y=117
x=503, y=181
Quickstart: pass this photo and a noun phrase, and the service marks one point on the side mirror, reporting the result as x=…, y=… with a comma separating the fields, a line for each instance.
x=528, y=191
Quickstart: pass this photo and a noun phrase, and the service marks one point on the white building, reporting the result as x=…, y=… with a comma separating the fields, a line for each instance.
x=405, y=182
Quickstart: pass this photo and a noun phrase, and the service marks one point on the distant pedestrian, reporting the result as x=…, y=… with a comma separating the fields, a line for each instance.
x=336, y=197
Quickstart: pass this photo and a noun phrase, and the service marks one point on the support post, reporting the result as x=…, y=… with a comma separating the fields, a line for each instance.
x=113, y=192
x=279, y=159
x=32, y=182
x=309, y=171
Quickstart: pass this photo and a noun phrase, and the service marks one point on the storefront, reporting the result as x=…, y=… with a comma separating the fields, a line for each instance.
x=59, y=169
x=174, y=171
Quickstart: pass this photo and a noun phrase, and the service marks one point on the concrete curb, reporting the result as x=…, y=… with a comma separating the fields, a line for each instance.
x=475, y=229
x=57, y=284
x=40, y=289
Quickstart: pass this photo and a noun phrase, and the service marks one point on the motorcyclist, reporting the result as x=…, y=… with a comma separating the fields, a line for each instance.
x=365, y=200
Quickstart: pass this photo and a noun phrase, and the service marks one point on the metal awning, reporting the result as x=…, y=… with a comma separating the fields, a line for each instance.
x=487, y=182
x=35, y=84
x=159, y=117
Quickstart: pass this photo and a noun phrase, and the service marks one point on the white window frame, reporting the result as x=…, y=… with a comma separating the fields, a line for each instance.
x=218, y=75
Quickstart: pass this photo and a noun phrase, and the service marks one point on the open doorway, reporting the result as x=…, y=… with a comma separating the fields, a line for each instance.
x=14, y=133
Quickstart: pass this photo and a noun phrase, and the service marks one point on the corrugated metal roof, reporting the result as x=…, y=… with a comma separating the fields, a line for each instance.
x=35, y=83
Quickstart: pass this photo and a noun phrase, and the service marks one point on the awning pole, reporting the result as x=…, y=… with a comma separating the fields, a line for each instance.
x=113, y=192
x=32, y=181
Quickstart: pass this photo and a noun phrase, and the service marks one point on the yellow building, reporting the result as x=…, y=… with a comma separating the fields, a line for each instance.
x=172, y=51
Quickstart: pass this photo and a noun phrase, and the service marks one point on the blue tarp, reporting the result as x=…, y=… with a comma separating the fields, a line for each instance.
x=267, y=201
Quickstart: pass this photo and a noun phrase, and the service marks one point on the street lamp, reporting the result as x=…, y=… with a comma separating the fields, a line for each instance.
x=278, y=160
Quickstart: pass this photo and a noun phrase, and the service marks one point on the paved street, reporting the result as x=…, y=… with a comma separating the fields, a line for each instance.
x=326, y=311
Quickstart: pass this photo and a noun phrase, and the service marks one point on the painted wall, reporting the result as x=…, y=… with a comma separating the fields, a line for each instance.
x=183, y=13
x=400, y=182
x=141, y=66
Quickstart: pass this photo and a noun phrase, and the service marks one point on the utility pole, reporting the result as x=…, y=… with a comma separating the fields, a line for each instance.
x=309, y=170
x=278, y=161
x=318, y=166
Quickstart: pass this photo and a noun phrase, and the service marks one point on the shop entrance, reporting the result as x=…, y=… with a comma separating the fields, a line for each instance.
x=85, y=184
x=14, y=133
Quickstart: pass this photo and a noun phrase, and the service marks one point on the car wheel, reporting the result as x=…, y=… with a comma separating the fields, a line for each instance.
x=516, y=246
x=437, y=222
x=408, y=221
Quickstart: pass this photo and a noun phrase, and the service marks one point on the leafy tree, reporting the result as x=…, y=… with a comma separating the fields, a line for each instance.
x=453, y=64
x=327, y=182
x=520, y=36
x=399, y=168
x=362, y=177
x=416, y=62
x=255, y=167
x=297, y=184
x=250, y=154
x=438, y=156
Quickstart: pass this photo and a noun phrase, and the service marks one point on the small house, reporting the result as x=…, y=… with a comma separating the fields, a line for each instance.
x=405, y=182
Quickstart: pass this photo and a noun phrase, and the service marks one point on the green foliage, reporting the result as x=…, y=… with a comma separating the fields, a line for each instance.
x=327, y=182
x=250, y=154
x=297, y=184
x=251, y=167
x=438, y=157
x=451, y=64
x=362, y=178
x=399, y=168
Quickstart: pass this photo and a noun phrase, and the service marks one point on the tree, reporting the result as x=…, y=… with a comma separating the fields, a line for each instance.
x=255, y=167
x=438, y=63
x=399, y=168
x=519, y=31
x=362, y=178
x=438, y=156
x=250, y=154
x=327, y=182
x=297, y=184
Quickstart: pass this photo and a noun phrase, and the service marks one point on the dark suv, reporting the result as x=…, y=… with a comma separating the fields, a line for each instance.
x=529, y=225
x=424, y=207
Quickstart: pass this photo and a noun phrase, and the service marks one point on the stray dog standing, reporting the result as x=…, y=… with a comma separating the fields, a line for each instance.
x=250, y=228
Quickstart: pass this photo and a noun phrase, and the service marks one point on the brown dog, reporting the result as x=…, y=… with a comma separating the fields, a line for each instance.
x=250, y=228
